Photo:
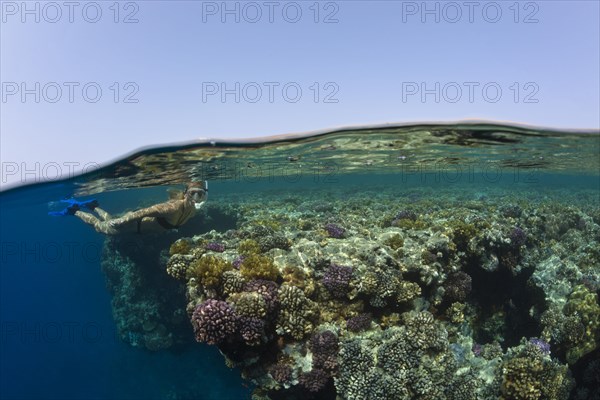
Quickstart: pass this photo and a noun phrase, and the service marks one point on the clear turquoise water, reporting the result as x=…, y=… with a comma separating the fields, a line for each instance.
x=59, y=338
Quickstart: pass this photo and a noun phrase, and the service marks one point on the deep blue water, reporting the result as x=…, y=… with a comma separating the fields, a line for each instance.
x=58, y=337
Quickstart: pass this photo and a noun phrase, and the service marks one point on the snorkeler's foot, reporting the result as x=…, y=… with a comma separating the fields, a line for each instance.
x=71, y=210
x=90, y=204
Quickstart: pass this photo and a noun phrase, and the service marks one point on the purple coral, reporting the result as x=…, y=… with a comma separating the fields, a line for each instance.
x=406, y=214
x=237, y=262
x=282, y=373
x=324, y=346
x=335, y=231
x=215, y=246
x=267, y=289
x=542, y=345
x=213, y=321
x=314, y=380
x=337, y=279
x=251, y=329
x=518, y=237
x=359, y=323
x=458, y=286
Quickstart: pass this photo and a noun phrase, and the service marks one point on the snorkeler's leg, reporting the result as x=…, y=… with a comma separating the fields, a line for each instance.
x=87, y=217
x=100, y=226
x=103, y=214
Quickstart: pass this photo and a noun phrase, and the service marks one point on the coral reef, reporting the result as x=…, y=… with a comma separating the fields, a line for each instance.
x=393, y=295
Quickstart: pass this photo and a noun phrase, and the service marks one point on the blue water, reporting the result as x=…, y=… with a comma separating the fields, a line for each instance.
x=58, y=338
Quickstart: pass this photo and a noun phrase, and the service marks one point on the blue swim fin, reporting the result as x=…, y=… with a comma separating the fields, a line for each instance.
x=75, y=205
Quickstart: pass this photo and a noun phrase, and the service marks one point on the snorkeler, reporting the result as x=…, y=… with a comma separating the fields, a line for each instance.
x=159, y=218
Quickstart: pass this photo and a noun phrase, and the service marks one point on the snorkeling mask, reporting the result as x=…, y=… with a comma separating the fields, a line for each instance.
x=198, y=192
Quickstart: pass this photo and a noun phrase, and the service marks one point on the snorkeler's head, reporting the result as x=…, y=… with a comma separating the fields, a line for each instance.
x=197, y=191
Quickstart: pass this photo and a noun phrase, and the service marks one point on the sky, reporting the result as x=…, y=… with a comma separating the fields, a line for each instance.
x=83, y=83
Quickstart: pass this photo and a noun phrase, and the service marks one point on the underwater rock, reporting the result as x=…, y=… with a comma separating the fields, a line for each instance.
x=146, y=302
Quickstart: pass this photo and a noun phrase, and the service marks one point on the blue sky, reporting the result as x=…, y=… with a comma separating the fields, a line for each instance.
x=182, y=70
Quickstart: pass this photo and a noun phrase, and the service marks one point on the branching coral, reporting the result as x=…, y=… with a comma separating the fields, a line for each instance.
x=281, y=372
x=251, y=329
x=404, y=362
x=249, y=246
x=584, y=305
x=457, y=286
x=359, y=323
x=324, y=346
x=250, y=304
x=232, y=282
x=407, y=291
x=337, y=280
x=214, y=321
x=314, y=380
x=463, y=233
x=267, y=289
x=275, y=241
x=178, y=265
x=297, y=312
x=208, y=270
x=529, y=374
x=382, y=287
x=256, y=266
x=181, y=246
x=215, y=246
x=576, y=327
